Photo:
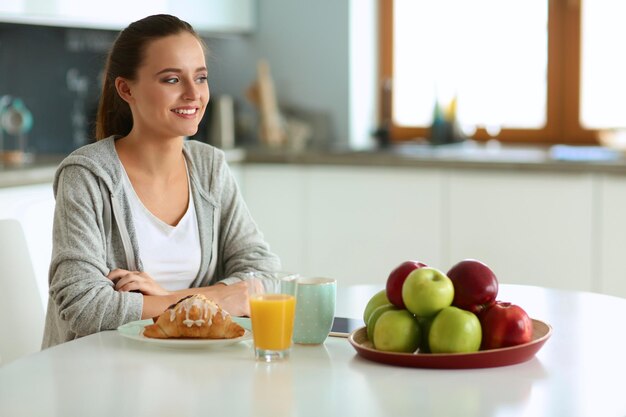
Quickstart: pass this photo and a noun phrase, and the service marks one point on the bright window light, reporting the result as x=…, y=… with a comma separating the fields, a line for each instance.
x=603, y=65
x=490, y=54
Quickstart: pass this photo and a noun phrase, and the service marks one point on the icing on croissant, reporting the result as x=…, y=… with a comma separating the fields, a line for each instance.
x=194, y=316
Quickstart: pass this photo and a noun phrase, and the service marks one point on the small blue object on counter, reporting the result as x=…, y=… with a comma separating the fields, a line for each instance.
x=584, y=153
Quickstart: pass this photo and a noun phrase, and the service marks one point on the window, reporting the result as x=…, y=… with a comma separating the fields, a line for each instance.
x=519, y=70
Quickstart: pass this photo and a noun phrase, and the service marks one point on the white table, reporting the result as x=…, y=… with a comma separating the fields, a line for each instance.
x=579, y=372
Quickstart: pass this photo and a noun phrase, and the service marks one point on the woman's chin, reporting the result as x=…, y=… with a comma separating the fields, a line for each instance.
x=188, y=132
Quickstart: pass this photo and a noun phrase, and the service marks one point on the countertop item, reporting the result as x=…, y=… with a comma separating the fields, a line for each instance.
x=482, y=359
x=578, y=372
x=40, y=170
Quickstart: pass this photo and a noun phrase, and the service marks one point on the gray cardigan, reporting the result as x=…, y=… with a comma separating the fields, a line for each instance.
x=93, y=233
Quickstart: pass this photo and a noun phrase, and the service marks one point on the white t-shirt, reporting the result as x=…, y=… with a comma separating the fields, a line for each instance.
x=170, y=254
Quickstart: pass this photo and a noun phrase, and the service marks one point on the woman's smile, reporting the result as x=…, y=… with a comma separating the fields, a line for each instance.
x=186, y=112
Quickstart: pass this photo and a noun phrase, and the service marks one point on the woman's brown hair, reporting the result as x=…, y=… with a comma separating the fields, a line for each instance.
x=125, y=57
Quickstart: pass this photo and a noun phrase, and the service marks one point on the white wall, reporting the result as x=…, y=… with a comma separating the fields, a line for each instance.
x=363, y=71
x=314, y=49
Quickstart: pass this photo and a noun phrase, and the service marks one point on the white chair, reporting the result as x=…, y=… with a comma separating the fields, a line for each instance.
x=21, y=312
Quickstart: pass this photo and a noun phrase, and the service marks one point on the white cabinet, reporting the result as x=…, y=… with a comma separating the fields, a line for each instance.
x=207, y=16
x=560, y=230
x=353, y=224
x=611, y=251
x=361, y=222
x=276, y=197
x=33, y=207
x=223, y=16
x=531, y=228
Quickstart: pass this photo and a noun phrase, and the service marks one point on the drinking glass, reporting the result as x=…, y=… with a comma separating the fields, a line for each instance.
x=272, y=312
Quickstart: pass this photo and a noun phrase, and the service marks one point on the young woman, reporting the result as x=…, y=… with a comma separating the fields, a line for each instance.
x=144, y=217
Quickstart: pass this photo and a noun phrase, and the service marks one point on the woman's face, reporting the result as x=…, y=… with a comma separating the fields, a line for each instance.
x=170, y=93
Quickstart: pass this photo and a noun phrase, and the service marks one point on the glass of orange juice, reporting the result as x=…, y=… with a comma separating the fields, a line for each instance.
x=272, y=311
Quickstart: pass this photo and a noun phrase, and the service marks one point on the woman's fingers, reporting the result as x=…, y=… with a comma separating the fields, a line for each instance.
x=116, y=274
x=135, y=281
x=128, y=286
x=123, y=283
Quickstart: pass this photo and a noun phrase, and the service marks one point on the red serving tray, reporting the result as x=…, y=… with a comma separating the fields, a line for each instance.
x=481, y=359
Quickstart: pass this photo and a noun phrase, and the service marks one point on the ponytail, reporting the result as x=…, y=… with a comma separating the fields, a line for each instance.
x=114, y=116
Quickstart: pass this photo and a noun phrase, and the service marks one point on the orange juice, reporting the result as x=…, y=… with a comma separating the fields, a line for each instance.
x=272, y=320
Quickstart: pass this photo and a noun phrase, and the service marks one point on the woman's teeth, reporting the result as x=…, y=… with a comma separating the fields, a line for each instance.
x=185, y=111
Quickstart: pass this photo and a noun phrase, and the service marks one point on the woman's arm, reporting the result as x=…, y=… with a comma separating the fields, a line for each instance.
x=232, y=298
x=86, y=300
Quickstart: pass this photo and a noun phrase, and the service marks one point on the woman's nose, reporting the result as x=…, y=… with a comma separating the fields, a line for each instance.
x=192, y=90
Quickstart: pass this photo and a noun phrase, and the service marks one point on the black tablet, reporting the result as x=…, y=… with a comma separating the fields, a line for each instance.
x=343, y=326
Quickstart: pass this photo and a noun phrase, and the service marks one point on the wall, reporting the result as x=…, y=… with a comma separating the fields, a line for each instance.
x=363, y=71
x=306, y=45
x=55, y=71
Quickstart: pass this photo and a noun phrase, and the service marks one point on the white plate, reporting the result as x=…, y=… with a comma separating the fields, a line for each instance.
x=134, y=331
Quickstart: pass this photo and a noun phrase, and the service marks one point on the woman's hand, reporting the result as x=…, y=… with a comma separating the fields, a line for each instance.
x=233, y=298
x=135, y=281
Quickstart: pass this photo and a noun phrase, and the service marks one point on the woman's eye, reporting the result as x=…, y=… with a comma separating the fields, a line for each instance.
x=172, y=80
x=202, y=79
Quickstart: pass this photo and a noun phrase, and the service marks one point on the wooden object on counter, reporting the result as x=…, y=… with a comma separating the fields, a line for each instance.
x=263, y=95
x=13, y=158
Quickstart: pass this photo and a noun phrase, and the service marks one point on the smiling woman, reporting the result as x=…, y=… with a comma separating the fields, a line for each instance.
x=144, y=217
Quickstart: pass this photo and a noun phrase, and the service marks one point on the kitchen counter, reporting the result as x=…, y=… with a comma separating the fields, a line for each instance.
x=469, y=155
x=463, y=155
x=42, y=168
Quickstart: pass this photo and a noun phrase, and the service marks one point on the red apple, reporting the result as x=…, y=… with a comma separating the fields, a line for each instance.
x=396, y=281
x=505, y=324
x=475, y=285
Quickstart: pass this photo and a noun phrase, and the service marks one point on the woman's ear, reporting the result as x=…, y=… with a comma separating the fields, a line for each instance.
x=123, y=89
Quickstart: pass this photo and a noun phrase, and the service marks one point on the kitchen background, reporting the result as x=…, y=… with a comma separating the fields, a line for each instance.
x=332, y=209
x=322, y=57
x=56, y=71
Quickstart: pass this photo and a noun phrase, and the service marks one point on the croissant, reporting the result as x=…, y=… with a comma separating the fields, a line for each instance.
x=194, y=317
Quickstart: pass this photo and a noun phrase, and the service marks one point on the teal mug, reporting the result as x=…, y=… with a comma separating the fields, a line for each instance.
x=315, y=309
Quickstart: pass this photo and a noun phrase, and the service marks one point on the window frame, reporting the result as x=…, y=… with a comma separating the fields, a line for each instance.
x=563, y=92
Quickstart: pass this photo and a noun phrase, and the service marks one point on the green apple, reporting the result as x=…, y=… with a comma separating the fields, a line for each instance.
x=378, y=311
x=377, y=299
x=455, y=331
x=426, y=291
x=396, y=331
